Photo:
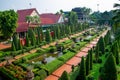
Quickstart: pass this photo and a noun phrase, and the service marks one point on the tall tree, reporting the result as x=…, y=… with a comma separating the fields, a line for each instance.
x=109, y=70
x=73, y=18
x=8, y=23
x=116, y=17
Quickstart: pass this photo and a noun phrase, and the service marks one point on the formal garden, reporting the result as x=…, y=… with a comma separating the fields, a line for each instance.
x=39, y=62
x=46, y=49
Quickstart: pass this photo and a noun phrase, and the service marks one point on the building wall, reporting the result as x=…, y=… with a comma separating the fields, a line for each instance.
x=34, y=13
x=61, y=20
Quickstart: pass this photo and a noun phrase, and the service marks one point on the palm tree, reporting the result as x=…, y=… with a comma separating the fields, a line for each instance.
x=29, y=19
x=36, y=19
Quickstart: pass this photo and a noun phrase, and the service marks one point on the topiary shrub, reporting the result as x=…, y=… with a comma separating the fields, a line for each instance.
x=64, y=76
x=100, y=69
x=106, y=54
x=90, y=77
x=42, y=74
x=37, y=78
x=52, y=49
x=94, y=61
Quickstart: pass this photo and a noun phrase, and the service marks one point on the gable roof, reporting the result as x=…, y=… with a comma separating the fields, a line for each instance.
x=49, y=18
x=23, y=13
x=23, y=27
x=46, y=21
x=22, y=24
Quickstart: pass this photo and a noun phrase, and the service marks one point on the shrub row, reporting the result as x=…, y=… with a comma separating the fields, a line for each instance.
x=52, y=66
x=13, y=72
x=28, y=57
x=34, y=55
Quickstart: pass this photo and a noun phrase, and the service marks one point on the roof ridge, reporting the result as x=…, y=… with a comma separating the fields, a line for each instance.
x=27, y=9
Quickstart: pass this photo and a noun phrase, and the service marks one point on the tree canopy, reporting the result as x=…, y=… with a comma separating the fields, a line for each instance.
x=8, y=23
x=72, y=19
x=102, y=18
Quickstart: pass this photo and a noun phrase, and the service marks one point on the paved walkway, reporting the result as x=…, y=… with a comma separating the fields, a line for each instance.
x=74, y=60
x=34, y=50
x=4, y=46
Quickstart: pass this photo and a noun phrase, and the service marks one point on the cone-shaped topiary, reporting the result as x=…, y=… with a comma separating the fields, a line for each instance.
x=13, y=46
x=101, y=44
x=27, y=40
x=64, y=76
x=32, y=37
x=107, y=38
x=38, y=35
x=82, y=73
x=91, y=59
x=19, y=45
x=115, y=51
x=15, y=40
x=97, y=52
x=48, y=36
x=109, y=71
x=58, y=32
x=88, y=64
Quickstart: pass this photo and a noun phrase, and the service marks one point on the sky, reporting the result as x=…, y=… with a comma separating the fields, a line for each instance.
x=52, y=6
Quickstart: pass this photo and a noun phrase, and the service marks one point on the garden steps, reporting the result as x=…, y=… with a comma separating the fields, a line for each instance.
x=74, y=60
x=34, y=50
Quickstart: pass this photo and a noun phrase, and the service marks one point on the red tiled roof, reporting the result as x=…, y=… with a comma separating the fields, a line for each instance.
x=46, y=21
x=49, y=18
x=23, y=13
x=22, y=27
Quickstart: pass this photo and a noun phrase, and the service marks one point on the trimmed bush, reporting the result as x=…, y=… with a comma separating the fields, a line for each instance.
x=42, y=74
x=109, y=71
x=52, y=49
x=52, y=66
x=66, y=56
x=64, y=76
x=99, y=61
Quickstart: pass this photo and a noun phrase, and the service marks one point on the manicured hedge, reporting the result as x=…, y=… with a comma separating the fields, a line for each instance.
x=66, y=56
x=41, y=73
x=5, y=73
x=13, y=72
x=52, y=66
x=3, y=54
x=66, y=43
x=28, y=57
